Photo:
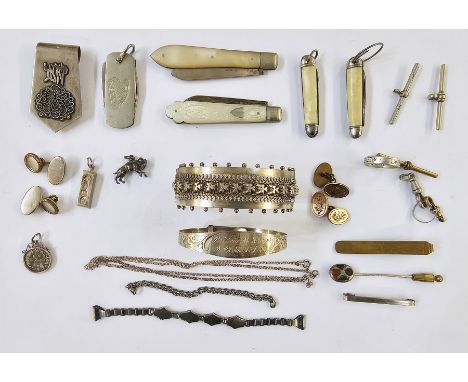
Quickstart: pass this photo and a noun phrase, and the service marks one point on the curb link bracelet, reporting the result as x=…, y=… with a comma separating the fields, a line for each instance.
x=133, y=287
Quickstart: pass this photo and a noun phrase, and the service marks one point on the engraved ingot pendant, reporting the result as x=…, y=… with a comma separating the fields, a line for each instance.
x=56, y=93
x=235, y=187
x=119, y=84
x=88, y=180
x=37, y=257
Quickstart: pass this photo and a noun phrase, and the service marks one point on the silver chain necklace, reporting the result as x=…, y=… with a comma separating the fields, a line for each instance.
x=125, y=262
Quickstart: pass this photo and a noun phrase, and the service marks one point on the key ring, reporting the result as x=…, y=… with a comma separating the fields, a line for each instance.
x=366, y=50
x=130, y=49
x=423, y=208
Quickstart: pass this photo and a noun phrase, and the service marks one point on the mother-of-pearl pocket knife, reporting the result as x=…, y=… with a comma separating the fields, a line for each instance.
x=198, y=63
x=205, y=109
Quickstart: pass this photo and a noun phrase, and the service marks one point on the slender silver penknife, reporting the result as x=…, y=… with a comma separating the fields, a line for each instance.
x=198, y=63
x=205, y=109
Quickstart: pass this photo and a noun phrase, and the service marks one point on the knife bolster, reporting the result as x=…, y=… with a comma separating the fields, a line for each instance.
x=273, y=114
x=268, y=61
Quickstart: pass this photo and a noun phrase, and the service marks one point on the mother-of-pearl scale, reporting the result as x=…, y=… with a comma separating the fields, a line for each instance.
x=310, y=94
x=355, y=96
x=31, y=200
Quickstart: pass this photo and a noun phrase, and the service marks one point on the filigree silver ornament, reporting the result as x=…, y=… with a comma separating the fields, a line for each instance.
x=56, y=93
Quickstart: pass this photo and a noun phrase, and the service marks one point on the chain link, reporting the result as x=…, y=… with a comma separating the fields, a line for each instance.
x=124, y=262
x=132, y=287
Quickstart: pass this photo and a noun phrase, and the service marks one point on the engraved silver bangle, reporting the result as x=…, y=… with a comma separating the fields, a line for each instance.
x=233, y=242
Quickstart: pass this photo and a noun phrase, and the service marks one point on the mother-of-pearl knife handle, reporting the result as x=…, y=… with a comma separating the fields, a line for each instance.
x=310, y=94
x=194, y=112
x=356, y=96
x=191, y=57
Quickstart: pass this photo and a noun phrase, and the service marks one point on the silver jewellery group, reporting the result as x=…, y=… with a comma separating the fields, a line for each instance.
x=56, y=100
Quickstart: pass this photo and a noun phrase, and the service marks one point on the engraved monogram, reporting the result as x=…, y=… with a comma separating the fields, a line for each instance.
x=54, y=101
x=118, y=91
x=319, y=204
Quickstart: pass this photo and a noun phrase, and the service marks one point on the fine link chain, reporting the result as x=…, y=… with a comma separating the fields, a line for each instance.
x=132, y=287
x=124, y=262
x=211, y=319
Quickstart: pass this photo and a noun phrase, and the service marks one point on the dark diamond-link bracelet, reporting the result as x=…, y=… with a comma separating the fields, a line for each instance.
x=211, y=319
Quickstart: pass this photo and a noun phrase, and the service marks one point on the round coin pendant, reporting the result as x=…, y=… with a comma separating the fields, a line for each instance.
x=37, y=257
x=336, y=190
x=338, y=216
x=319, y=204
x=319, y=179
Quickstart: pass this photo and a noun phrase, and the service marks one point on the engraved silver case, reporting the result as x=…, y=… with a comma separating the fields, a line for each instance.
x=119, y=82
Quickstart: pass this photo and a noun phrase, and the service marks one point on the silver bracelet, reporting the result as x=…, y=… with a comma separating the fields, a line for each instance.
x=132, y=287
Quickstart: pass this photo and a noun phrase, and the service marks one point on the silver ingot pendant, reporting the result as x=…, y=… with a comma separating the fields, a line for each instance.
x=88, y=180
x=56, y=93
x=119, y=86
x=37, y=257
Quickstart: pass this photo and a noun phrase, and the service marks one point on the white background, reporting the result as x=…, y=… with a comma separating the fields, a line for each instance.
x=52, y=311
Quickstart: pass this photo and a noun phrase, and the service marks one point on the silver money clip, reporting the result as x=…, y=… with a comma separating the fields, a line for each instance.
x=378, y=300
x=56, y=92
x=119, y=87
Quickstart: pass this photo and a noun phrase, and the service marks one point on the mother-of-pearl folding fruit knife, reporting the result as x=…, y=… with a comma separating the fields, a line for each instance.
x=198, y=63
x=205, y=109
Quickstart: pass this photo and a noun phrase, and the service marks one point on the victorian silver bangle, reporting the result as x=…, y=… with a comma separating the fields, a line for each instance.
x=233, y=242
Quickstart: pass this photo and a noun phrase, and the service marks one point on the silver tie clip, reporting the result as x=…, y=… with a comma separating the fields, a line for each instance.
x=356, y=89
x=404, y=94
x=440, y=98
x=119, y=87
x=205, y=109
x=310, y=95
x=197, y=63
x=56, y=93
x=379, y=300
